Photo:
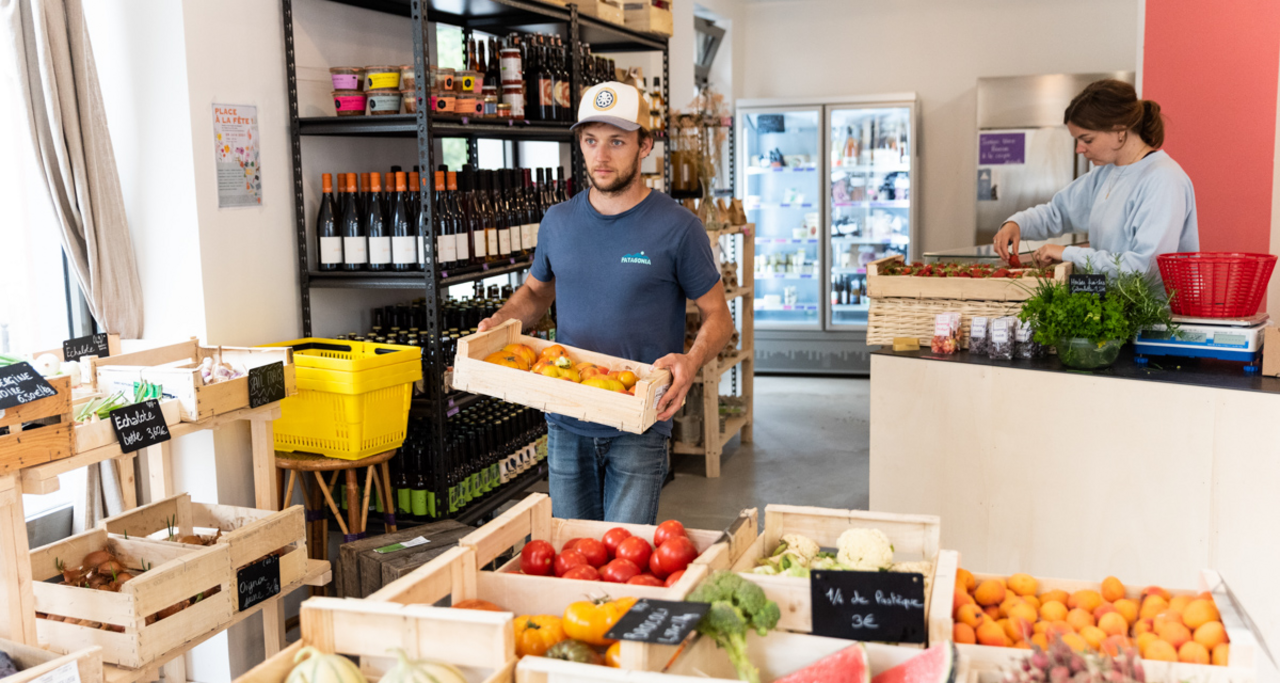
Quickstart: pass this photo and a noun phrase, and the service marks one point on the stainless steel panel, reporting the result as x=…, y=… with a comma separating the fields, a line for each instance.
x=818, y=353
x=1032, y=101
x=1049, y=167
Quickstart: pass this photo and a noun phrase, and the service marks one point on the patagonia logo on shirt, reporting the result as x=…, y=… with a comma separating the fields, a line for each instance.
x=637, y=258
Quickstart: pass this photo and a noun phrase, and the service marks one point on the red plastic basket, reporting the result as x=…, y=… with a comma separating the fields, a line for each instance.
x=1216, y=284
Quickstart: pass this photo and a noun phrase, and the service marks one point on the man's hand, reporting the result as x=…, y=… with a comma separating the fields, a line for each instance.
x=488, y=323
x=683, y=369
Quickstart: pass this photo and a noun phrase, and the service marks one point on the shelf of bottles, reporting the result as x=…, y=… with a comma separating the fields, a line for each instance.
x=870, y=203
x=783, y=199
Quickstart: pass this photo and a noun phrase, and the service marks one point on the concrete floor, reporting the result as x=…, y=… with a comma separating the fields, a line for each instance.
x=810, y=447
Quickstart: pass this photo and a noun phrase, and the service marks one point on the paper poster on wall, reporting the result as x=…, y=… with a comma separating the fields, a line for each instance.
x=236, y=158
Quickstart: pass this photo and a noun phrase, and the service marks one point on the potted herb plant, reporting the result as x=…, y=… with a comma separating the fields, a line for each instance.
x=1088, y=330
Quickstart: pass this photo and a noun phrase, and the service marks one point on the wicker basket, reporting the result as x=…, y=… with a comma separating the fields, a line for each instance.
x=904, y=306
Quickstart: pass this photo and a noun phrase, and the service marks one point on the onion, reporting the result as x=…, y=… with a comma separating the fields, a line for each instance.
x=96, y=558
x=191, y=540
x=111, y=566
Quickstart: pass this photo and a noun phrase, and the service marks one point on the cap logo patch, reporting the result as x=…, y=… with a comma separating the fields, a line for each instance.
x=605, y=99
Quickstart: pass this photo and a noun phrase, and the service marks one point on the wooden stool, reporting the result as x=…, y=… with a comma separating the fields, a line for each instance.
x=315, y=497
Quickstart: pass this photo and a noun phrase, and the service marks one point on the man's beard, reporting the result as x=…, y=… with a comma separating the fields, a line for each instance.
x=621, y=182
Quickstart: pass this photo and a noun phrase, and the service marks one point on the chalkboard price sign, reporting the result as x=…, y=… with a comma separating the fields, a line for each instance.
x=876, y=606
x=258, y=581
x=266, y=384
x=661, y=622
x=20, y=383
x=92, y=345
x=1090, y=283
x=139, y=426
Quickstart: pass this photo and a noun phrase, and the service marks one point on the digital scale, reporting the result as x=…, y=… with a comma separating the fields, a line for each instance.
x=1238, y=339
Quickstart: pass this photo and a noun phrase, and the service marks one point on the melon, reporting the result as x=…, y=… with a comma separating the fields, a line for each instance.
x=846, y=666
x=935, y=665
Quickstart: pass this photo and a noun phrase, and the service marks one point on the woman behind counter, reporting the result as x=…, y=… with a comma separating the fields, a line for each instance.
x=1136, y=203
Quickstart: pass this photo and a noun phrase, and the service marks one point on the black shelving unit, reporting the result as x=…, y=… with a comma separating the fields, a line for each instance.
x=489, y=16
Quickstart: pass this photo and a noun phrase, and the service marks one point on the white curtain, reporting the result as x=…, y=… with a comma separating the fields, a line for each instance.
x=62, y=107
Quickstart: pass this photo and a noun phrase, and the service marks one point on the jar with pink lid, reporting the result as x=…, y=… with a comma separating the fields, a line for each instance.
x=349, y=102
x=346, y=77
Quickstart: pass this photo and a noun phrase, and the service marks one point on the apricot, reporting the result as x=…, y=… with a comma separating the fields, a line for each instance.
x=1102, y=609
x=1112, y=589
x=1094, y=636
x=1156, y=590
x=628, y=378
x=1023, y=584
x=1008, y=629
x=1022, y=645
x=1142, y=626
x=992, y=611
x=1059, y=628
x=1127, y=609
x=1079, y=619
x=1053, y=610
x=990, y=633
x=1025, y=612
x=960, y=599
x=1041, y=640
x=1087, y=600
x=1220, y=654
x=964, y=576
x=1166, y=617
x=1115, y=646
x=1210, y=634
x=1200, y=612
x=1032, y=600
x=1113, y=624
x=1173, y=633
x=1179, y=602
x=989, y=593
x=1161, y=651
x=970, y=615
x=1056, y=594
x=1076, y=642
x=963, y=634
x=1009, y=602
x=1192, y=652
x=1151, y=606
x=1144, y=640
x=1019, y=628
x=1040, y=626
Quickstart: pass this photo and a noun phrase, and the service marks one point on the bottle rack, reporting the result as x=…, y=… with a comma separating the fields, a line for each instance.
x=490, y=16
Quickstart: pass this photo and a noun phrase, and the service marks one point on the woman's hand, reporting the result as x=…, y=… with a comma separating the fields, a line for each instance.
x=1009, y=233
x=1048, y=255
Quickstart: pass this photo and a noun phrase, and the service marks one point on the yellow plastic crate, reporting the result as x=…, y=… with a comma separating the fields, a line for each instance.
x=353, y=398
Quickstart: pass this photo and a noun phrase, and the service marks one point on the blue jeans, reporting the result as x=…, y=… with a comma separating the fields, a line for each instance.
x=616, y=479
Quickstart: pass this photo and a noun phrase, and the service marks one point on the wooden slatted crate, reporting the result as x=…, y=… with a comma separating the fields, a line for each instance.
x=176, y=573
x=605, y=10
x=34, y=663
x=177, y=368
x=90, y=435
x=21, y=447
x=1244, y=658
x=641, y=15
x=629, y=413
x=481, y=644
x=248, y=533
x=914, y=538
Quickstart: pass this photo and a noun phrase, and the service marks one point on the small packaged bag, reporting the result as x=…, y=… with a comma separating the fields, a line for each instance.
x=1025, y=345
x=978, y=342
x=1001, y=346
x=946, y=333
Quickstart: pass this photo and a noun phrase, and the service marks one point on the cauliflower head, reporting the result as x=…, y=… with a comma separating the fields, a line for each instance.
x=865, y=550
x=801, y=545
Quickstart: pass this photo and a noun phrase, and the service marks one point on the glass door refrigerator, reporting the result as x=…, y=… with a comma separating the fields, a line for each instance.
x=812, y=251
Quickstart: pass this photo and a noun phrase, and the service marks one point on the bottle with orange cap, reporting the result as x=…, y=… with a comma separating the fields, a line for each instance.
x=375, y=225
x=355, y=252
x=404, y=246
x=446, y=245
x=327, y=235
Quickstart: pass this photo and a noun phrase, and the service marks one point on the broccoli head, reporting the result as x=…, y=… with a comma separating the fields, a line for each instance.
x=737, y=606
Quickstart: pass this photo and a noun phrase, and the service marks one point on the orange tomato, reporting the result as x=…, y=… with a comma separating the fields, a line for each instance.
x=553, y=352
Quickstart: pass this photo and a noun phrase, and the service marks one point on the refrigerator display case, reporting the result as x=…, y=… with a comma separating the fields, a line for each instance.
x=829, y=185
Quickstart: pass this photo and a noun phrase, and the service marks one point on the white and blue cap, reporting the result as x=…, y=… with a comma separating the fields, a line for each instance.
x=614, y=103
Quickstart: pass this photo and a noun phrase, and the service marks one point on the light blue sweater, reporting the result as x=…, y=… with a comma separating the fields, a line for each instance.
x=1136, y=212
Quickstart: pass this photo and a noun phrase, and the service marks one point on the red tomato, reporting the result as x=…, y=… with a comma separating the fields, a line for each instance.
x=672, y=556
x=613, y=537
x=635, y=549
x=569, y=560
x=645, y=580
x=666, y=530
x=675, y=576
x=593, y=550
x=568, y=545
x=619, y=571
x=584, y=572
x=537, y=557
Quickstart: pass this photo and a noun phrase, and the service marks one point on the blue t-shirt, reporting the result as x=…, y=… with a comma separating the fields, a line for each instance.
x=621, y=281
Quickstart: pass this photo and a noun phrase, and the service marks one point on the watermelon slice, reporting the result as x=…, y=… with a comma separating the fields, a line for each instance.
x=935, y=665
x=846, y=666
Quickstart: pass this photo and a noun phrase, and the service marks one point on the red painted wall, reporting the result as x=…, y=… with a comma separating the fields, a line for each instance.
x=1213, y=68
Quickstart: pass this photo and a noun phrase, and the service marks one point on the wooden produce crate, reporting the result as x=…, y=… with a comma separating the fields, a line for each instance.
x=21, y=447
x=914, y=538
x=531, y=518
x=177, y=368
x=481, y=644
x=88, y=381
x=905, y=305
x=1243, y=660
x=175, y=573
x=363, y=571
x=776, y=655
x=605, y=10
x=629, y=413
x=90, y=435
x=34, y=662
x=248, y=533
x=643, y=16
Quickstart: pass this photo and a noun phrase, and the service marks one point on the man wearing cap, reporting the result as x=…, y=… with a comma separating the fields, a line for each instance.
x=620, y=260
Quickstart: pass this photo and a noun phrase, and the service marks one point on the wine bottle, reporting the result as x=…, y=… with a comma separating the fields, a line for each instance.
x=376, y=226
x=456, y=222
x=328, y=236
x=446, y=246
x=404, y=246
x=355, y=255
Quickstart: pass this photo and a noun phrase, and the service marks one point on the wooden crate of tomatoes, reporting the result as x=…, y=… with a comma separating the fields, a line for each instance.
x=135, y=598
x=905, y=298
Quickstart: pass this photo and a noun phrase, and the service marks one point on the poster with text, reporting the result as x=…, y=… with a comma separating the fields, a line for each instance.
x=236, y=157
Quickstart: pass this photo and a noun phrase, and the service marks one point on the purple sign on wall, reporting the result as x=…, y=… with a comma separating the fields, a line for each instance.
x=1002, y=148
